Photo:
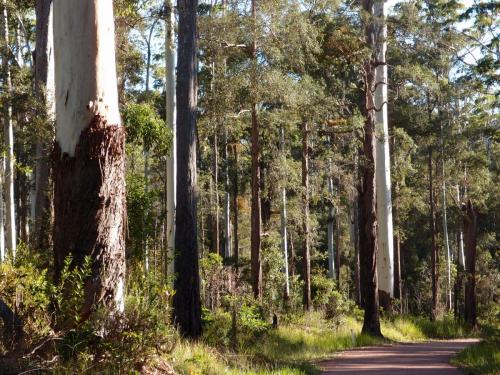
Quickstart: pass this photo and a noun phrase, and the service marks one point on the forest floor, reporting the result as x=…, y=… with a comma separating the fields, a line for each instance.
x=428, y=358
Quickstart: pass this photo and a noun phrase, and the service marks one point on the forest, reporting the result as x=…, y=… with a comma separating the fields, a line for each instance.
x=249, y=186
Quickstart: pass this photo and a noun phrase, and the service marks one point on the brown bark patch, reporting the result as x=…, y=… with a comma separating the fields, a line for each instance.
x=90, y=209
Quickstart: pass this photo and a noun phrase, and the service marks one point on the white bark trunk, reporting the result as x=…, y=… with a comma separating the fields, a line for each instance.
x=171, y=116
x=461, y=253
x=86, y=83
x=445, y=224
x=385, y=254
x=79, y=100
x=10, y=222
x=284, y=240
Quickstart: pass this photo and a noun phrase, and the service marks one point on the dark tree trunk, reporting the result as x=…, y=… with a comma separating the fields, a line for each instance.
x=434, y=251
x=470, y=239
x=265, y=201
x=90, y=211
x=187, y=304
x=306, y=257
x=43, y=211
x=337, y=247
x=216, y=248
x=256, y=267
x=13, y=332
x=368, y=214
x=235, y=208
x=397, y=250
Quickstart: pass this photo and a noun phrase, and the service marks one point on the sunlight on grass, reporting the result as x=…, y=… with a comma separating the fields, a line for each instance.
x=481, y=359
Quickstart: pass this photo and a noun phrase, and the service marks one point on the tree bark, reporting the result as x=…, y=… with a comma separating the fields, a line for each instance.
x=89, y=156
x=256, y=266
x=235, y=208
x=470, y=236
x=44, y=89
x=187, y=304
x=306, y=257
x=368, y=194
x=10, y=222
x=385, y=236
x=434, y=251
x=284, y=239
x=171, y=117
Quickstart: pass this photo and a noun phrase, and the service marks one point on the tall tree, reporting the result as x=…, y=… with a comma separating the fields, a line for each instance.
x=306, y=255
x=89, y=183
x=170, y=87
x=385, y=248
x=45, y=91
x=368, y=191
x=8, y=131
x=187, y=304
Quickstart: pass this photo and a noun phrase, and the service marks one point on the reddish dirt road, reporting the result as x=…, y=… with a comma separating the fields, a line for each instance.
x=430, y=358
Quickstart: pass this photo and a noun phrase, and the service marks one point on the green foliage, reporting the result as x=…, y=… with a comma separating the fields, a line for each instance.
x=145, y=126
x=480, y=359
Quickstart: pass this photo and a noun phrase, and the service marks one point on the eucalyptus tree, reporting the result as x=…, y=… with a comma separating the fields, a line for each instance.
x=89, y=155
x=187, y=304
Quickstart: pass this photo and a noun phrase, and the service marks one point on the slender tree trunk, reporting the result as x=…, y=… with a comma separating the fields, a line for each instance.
x=215, y=208
x=227, y=201
x=89, y=157
x=284, y=239
x=331, y=220
x=10, y=222
x=306, y=257
x=385, y=254
x=368, y=194
x=171, y=123
x=235, y=208
x=2, y=210
x=355, y=237
x=397, y=250
x=470, y=229
x=256, y=267
x=187, y=304
x=445, y=221
x=434, y=251
x=45, y=92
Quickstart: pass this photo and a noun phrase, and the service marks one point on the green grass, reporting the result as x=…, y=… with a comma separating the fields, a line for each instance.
x=292, y=349
x=480, y=359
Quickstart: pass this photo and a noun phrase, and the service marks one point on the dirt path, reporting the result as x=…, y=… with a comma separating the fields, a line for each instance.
x=406, y=359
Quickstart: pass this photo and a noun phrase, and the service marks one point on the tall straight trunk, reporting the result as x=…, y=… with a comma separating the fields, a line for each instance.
x=256, y=266
x=337, y=247
x=385, y=254
x=89, y=156
x=368, y=193
x=445, y=222
x=397, y=250
x=470, y=232
x=187, y=304
x=235, y=208
x=45, y=92
x=227, y=201
x=331, y=220
x=10, y=219
x=215, y=208
x=284, y=239
x=434, y=250
x=306, y=257
x=171, y=118
x=355, y=214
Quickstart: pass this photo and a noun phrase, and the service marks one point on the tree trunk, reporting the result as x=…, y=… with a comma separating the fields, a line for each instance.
x=187, y=304
x=470, y=229
x=45, y=92
x=368, y=194
x=89, y=157
x=235, y=208
x=434, y=252
x=331, y=220
x=397, y=252
x=284, y=239
x=10, y=222
x=2, y=210
x=256, y=267
x=215, y=208
x=306, y=257
x=385, y=253
x=171, y=118
x=227, y=201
